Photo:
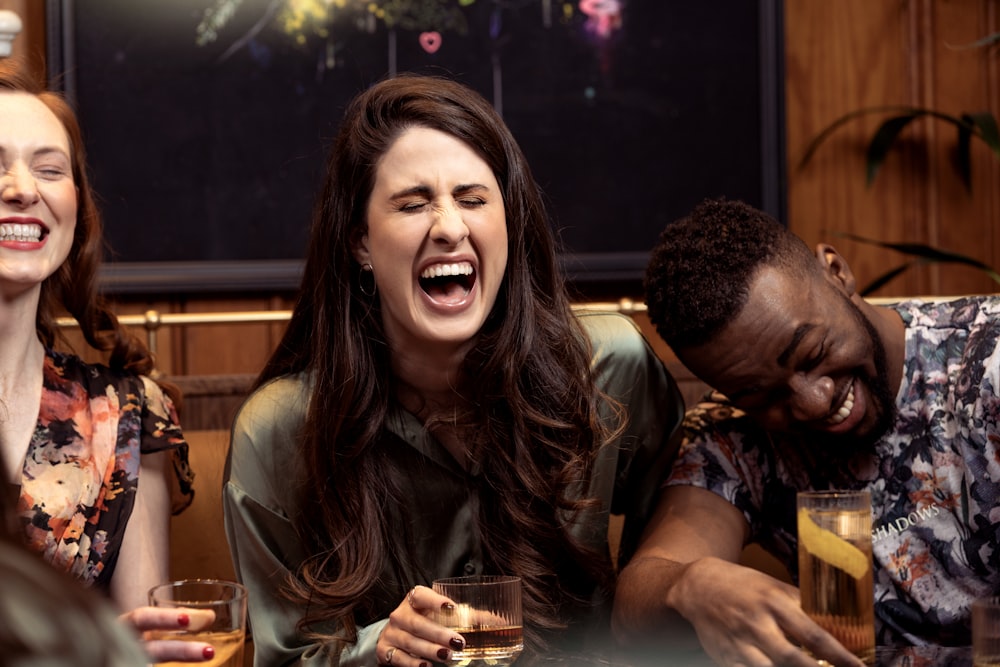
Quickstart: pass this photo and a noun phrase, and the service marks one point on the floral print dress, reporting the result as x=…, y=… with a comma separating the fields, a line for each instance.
x=81, y=471
x=934, y=477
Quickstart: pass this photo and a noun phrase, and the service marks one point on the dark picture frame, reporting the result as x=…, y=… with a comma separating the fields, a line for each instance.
x=207, y=156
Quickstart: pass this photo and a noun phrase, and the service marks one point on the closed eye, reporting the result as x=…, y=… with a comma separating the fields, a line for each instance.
x=412, y=207
x=815, y=360
x=52, y=173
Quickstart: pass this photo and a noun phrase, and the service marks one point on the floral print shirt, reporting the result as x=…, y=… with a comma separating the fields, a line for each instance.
x=934, y=477
x=81, y=470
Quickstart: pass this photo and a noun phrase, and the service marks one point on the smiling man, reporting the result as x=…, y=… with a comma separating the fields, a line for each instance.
x=817, y=389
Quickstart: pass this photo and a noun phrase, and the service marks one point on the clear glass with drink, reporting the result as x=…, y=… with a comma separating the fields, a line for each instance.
x=986, y=632
x=487, y=614
x=835, y=566
x=226, y=634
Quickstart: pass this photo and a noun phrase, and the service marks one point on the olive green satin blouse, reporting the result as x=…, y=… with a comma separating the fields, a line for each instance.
x=261, y=482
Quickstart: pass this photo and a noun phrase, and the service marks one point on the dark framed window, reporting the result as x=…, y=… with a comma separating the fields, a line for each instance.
x=207, y=148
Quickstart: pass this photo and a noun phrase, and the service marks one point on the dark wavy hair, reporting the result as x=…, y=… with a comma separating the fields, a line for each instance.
x=699, y=273
x=72, y=287
x=536, y=424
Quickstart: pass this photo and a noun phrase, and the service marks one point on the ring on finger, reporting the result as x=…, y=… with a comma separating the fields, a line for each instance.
x=388, y=655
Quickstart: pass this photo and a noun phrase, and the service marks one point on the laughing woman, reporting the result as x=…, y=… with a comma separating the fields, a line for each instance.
x=436, y=408
x=90, y=452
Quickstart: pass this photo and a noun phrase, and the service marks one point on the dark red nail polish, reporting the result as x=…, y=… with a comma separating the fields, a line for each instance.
x=183, y=620
x=423, y=664
x=208, y=653
x=457, y=643
x=443, y=654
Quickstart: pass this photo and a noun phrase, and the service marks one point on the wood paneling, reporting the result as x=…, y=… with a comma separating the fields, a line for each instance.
x=198, y=546
x=851, y=54
x=243, y=350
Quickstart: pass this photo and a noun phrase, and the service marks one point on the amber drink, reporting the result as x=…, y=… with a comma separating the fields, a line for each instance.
x=487, y=613
x=835, y=566
x=227, y=633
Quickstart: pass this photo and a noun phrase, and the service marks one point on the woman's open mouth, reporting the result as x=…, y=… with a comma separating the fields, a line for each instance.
x=448, y=283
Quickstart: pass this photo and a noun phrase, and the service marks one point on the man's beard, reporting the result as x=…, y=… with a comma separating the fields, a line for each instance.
x=881, y=399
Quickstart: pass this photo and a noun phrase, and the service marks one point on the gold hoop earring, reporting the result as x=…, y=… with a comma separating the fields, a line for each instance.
x=367, y=276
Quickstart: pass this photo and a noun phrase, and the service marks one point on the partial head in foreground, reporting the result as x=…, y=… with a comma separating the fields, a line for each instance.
x=779, y=329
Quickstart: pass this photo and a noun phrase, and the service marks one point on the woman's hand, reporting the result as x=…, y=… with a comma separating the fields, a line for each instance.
x=412, y=638
x=155, y=624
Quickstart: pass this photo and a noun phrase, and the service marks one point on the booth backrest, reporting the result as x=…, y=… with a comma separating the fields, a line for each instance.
x=198, y=546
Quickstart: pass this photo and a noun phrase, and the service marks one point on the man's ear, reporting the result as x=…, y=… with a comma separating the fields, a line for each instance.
x=835, y=268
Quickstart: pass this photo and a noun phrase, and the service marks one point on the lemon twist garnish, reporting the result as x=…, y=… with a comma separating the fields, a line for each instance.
x=830, y=548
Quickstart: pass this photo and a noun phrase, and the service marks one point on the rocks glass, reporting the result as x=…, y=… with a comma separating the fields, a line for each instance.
x=487, y=614
x=226, y=634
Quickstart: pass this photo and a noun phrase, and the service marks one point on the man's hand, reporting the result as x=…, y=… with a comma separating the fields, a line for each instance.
x=748, y=618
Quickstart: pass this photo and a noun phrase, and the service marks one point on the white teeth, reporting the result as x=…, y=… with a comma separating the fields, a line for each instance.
x=458, y=269
x=19, y=232
x=845, y=409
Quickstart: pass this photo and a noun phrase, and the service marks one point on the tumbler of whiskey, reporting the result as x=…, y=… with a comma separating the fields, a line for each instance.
x=487, y=613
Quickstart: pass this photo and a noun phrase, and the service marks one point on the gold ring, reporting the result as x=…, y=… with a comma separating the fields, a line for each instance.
x=389, y=654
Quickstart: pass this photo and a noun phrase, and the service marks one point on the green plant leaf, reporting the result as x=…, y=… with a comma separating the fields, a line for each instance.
x=982, y=125
x=886, y=277
x=843, y=120
x=882, y=141
x=988, y=130
x=925, y=254
x=963, y=155
x=989, y=40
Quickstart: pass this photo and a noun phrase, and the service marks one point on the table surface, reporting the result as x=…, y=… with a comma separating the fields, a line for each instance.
x=911, y=656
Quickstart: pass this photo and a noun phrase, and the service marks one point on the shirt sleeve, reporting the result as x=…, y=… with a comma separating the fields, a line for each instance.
x=628, y=370
x=265, y=548
x=161, y=431
x=720, y=453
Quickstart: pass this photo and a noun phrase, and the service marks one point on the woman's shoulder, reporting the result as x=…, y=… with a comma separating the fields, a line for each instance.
x=65, y=368
x=279, y=393
x=277, y=407
x=265, y=437
x=613, y=333
x=71, y=366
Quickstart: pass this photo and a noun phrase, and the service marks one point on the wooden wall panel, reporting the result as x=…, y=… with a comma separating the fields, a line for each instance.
x=962, y=80
x=840, y=57
x=73, y=341
x=227, y=348
x=862, y=53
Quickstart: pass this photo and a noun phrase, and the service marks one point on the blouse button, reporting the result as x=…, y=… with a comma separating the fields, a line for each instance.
x=470, y=568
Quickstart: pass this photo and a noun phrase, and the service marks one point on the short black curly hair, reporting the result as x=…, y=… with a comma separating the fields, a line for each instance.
x=700, y=270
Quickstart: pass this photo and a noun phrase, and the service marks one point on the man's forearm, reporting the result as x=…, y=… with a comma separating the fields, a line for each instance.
x=643, y=612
